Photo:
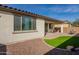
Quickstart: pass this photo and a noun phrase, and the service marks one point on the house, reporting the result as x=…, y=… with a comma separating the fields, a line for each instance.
x=18, y=25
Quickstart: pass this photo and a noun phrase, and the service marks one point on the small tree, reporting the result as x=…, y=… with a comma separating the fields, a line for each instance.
x=76, y=22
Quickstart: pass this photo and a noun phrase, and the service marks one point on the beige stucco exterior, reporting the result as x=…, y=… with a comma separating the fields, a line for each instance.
x=64, y=25
x=7, y=35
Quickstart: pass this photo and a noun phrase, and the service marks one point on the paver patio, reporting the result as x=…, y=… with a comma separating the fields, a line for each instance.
x=30, y=47
x=36, y=47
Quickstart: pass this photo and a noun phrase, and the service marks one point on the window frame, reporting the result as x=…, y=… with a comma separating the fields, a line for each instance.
x=50, y=26
x=24, y=31
x=20, y=23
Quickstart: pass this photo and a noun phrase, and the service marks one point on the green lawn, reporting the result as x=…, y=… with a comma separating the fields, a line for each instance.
x=63, y=41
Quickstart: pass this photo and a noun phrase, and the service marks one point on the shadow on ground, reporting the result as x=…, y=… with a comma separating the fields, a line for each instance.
x=59, y=51
x=2, y=49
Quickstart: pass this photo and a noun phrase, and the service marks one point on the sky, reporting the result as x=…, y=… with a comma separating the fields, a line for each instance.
x=63, y=12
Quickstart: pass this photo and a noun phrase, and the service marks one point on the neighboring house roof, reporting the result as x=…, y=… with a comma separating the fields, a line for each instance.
x=22, y=12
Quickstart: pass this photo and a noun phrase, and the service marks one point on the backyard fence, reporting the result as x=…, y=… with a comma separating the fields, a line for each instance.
x=76, y=29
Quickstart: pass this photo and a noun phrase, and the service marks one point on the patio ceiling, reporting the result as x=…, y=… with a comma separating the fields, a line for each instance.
x=53, y=22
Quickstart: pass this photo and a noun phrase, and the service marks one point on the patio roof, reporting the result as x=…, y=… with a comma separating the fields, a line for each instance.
x=22, y=12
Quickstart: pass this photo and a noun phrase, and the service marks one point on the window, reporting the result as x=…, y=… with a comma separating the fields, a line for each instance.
x=33, y=24
x=22, y=23
x=26, y=23
x=50, y=26
x=17, y=23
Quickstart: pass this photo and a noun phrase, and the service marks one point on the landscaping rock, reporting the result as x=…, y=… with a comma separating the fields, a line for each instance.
x=69, y=48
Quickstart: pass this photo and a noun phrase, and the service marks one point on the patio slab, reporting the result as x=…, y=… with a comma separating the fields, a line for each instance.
x=30, y=47
x=36, y=47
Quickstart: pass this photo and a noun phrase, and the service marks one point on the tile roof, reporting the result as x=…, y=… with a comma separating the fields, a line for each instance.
x=19, y=11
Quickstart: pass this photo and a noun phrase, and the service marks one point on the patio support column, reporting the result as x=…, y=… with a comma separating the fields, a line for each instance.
x=62, y=28
x=53, y=28
x=48, y=27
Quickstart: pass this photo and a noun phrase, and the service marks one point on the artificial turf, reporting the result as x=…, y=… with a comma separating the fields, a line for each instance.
x=63, y=41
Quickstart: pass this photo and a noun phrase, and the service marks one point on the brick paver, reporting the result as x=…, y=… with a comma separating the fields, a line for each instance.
x=29, y=47
x=37, y=47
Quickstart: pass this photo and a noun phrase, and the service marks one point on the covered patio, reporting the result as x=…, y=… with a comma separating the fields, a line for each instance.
x=53, y=27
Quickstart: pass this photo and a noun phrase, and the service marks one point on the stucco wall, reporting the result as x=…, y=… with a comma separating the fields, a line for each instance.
x=39, y=33
x=59, y=25
x=65, y=28
x=7, y=26
x=76, y=29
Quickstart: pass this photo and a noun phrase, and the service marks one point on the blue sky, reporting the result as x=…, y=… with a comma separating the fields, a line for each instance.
x=58, y=11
